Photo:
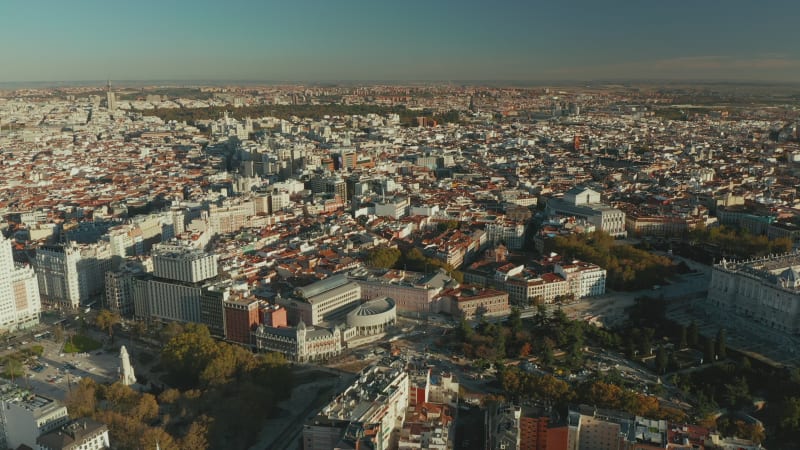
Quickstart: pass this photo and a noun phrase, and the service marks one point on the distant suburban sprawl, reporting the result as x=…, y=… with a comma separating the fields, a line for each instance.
x=388, y=266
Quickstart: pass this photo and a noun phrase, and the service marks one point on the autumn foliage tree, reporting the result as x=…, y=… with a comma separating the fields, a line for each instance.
x=527, y=385
x=197, y=434
x=230, y=389
x=129, y=415
x=610, y=395
x=188, y=354
x=629, y=268
x=740, y=243
x=227, y=383
x=751, y=431
x=106, y=320
x=382, y=257
x=81, y=400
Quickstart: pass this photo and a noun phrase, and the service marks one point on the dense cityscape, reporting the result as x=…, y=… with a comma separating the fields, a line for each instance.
x=400, y=266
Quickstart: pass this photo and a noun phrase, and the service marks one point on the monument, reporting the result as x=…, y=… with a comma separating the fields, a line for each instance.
x=125, y=369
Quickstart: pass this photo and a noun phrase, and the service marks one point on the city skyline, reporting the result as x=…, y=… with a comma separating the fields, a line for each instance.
x=613, y=262
x=408, y=41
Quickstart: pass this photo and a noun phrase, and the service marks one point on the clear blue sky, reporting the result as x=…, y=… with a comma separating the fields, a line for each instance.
x=298, y=40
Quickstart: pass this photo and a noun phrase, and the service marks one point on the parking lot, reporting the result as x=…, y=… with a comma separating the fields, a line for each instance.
x=54, y=373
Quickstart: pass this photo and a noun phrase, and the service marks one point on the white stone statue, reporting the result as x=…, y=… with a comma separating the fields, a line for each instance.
x=125, y=369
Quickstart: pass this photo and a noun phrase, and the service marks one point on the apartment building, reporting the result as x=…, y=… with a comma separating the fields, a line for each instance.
x=508, y=232
x=25, y=416
x=365, y=414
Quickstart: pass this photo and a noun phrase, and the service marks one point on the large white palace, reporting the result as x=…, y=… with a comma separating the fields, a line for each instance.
x=766, y=290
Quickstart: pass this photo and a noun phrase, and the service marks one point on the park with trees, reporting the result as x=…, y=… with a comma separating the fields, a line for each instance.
x=13, y=365
x=727, y=382
x=559, y=347
x=628, y=268
x=738, y=243
x=727, y=390
x=217, y=395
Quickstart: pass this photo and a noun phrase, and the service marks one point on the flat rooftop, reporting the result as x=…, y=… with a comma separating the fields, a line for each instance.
x=322, y=286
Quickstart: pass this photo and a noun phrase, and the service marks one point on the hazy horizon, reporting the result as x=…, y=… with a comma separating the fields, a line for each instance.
x=198, y=83
x=412, y=41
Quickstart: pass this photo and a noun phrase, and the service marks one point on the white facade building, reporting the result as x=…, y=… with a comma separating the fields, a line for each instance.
x=144, y=231
x=513, y=234
x=365, y=415
x=25, y=416
x=20, y=304
x=182, y=263
x=231, y=217
x=585, y=204
x=584, y=279
x=80, y=434
x=766, y=290
x=279, y=201
x=322, y=300
x=424, y=210
x=70, y=275
x=394, y=208
x=27, y=302
x=125, y=240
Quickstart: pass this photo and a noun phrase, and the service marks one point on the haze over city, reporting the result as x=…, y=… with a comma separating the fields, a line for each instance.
x=409, y=40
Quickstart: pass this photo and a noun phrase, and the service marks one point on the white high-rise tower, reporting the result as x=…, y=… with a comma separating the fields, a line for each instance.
x=20, y=304
x=7, y=307
x=111, y=98
x=72, y=274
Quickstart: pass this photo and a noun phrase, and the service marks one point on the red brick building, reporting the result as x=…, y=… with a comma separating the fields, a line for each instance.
x=535, y=434
x=273, y=316
x=241, y=316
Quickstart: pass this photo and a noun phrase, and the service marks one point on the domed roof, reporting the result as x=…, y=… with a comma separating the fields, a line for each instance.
x=373, y=307
x=791, y=275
